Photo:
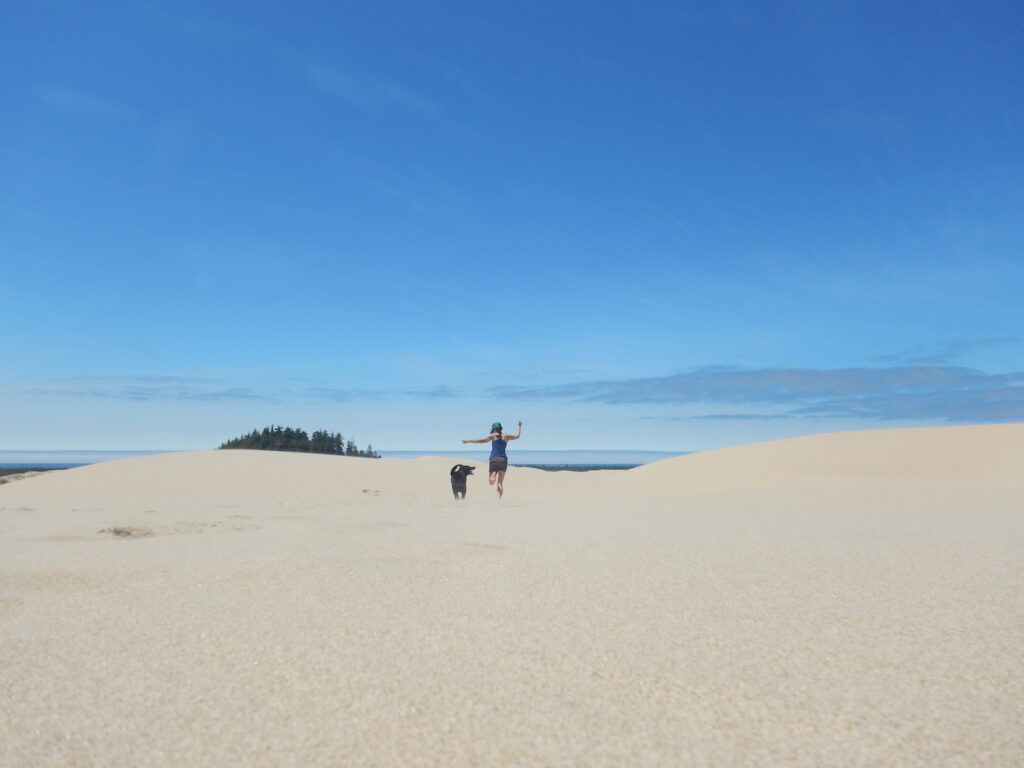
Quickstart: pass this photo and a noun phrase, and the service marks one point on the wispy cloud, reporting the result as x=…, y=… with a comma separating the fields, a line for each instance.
x=148, y=388
x=861, y=123
x=434, y=393
x=372, y=93
x=723, y=417
x=945, y=352
x=338, y=394
x=163, y=388
x=909, y=392
x=945, y=393
x=77, y=103
x=347, y=395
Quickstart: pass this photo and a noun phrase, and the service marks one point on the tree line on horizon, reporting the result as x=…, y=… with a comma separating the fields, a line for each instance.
x=276, y=438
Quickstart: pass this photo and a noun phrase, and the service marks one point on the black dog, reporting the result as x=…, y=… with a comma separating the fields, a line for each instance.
x=459, y=472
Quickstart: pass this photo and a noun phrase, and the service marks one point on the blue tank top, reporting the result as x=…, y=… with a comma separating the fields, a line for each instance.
x=498, y=449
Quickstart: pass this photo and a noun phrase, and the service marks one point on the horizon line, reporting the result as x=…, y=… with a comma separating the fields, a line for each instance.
x=385, y=450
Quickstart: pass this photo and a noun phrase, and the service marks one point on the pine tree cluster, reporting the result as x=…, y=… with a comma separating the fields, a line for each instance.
x=276, y=438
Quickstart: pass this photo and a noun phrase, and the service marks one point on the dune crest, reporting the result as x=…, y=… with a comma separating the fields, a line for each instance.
x=988, y=453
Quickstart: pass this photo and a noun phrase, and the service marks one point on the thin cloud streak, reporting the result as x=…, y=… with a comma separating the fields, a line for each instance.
x=723, y=417
x=936, y=354
x=80, y=104
x=148, y=388
x=370, y=93
x=375, y=95
x=944, y=393
x=164, y=388
x=343, y=395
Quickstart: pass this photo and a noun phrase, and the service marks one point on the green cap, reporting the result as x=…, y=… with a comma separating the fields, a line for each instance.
x=495, y=425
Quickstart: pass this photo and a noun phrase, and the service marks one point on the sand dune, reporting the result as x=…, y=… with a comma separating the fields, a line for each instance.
x=989, y=453
x=848, y=599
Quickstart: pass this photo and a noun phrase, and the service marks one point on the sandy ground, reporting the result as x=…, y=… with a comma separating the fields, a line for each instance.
x=841, y=600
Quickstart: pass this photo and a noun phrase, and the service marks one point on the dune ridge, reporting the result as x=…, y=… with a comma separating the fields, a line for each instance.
x=930, y=454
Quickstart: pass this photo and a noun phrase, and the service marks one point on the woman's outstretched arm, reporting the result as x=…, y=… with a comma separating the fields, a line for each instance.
x=517, y=434
x=481, y=440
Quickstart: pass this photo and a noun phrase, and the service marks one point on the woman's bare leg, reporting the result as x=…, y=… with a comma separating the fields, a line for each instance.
x=501, y=483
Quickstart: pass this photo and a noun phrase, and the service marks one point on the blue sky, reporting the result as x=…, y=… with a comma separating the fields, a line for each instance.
x=669, y=226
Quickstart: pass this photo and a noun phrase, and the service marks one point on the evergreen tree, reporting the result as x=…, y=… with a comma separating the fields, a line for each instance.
x=278, y=438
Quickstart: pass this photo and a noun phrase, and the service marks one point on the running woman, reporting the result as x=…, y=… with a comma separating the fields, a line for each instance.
x=499, y=461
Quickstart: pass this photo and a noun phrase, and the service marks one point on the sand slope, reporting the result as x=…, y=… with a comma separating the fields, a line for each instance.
x=851, y=599
x=991, y=453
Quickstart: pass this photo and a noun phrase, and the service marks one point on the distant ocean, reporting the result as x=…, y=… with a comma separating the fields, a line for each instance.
x=579, y=458
x=596, y=459
x=63, y=459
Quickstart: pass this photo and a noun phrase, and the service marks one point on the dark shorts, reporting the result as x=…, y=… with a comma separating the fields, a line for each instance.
x=499, y=464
